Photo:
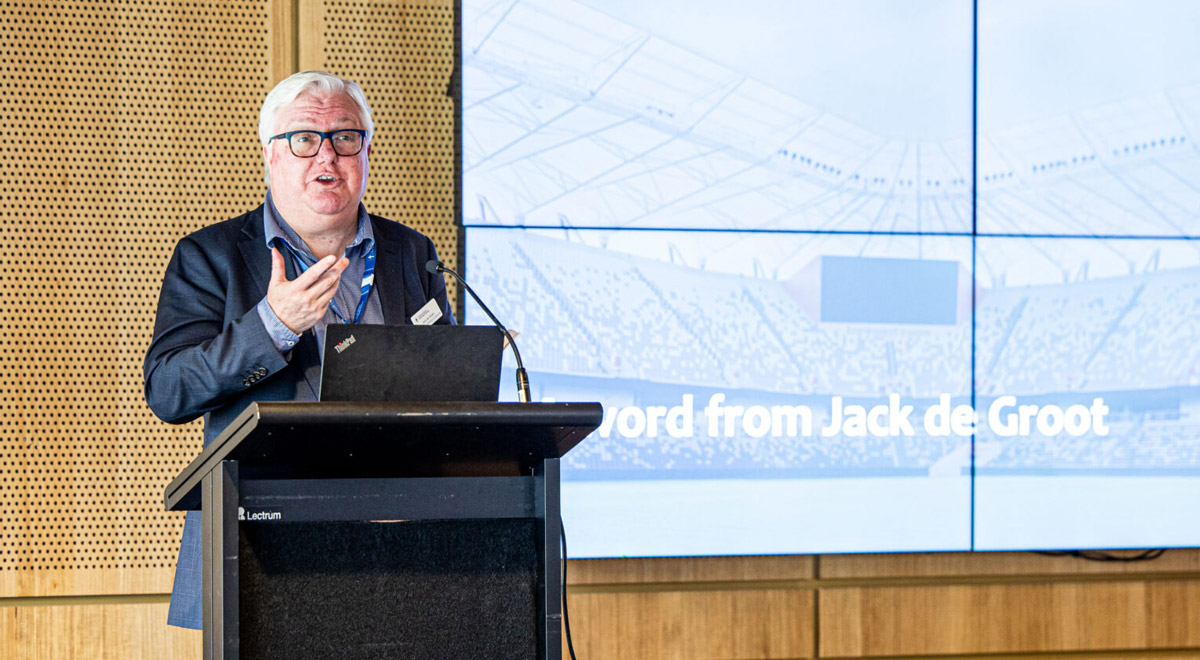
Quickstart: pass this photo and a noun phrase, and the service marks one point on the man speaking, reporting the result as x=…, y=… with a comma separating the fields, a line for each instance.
x=245, y=302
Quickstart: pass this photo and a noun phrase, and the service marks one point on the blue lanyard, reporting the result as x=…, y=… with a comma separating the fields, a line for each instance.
x=368, y=279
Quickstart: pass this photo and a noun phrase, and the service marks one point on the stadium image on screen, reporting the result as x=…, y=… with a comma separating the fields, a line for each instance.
x=902, y=292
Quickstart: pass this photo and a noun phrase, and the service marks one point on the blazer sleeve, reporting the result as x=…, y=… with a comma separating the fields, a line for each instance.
x=209, y=343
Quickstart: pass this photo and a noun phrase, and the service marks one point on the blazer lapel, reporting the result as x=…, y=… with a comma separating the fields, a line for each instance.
x=389, y=262
x=257, y=257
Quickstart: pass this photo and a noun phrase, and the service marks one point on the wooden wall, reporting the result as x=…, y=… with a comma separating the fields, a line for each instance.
x=124, y=128
x=129, y=124
x=952, y=605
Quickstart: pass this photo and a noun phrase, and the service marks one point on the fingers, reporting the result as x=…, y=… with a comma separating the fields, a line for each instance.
x=278, y=270
x=340, y=267
x=325, y=288
x=330, y=265
x=302, y=302
x=326, y=285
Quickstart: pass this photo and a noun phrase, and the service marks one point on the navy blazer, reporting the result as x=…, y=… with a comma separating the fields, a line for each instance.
x=212, y=356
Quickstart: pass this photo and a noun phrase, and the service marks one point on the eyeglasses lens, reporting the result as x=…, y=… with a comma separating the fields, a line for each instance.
x=306, y=144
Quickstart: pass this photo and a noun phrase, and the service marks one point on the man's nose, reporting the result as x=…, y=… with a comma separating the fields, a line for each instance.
x=325, y=152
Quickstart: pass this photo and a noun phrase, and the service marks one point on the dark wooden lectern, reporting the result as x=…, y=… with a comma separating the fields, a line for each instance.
x=381, y=530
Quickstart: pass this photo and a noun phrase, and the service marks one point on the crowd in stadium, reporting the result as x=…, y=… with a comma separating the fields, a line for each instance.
x=611, y=316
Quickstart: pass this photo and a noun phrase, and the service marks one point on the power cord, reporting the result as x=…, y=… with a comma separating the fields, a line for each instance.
x=566, y=619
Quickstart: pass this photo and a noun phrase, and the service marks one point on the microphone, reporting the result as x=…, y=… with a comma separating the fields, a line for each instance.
x=434, y=266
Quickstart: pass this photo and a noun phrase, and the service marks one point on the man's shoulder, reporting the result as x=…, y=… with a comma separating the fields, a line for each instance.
x=397, y=232
x=229, y=232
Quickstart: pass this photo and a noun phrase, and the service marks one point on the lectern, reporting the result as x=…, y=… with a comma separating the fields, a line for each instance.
x=383, y=530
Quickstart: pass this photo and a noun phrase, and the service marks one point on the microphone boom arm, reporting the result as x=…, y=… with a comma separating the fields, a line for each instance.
x=434, y=266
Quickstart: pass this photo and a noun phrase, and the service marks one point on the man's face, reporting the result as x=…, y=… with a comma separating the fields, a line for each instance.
x=326, y=187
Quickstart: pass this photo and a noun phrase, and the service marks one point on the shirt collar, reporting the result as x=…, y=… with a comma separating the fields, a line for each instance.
x=276, y=229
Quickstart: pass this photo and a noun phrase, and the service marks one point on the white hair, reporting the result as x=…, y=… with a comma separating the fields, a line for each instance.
x=319, y=82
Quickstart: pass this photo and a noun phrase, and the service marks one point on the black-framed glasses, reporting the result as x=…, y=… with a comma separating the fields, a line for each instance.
x=306, y=144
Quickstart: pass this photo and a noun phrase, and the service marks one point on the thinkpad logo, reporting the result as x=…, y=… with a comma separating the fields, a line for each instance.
x=344, y=344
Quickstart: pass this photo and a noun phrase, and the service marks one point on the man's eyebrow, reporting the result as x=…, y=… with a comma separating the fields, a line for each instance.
x=309, y=119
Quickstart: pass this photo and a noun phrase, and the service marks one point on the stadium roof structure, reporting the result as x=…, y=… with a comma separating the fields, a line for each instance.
x=1129, y=167
x=576, y=119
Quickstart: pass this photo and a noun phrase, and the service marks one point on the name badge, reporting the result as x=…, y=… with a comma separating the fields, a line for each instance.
x=428, y=314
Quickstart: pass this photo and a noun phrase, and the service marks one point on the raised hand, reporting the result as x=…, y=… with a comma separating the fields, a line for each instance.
x=302, y=302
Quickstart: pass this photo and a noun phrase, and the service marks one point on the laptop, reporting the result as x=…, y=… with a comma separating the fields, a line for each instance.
x=395, y=363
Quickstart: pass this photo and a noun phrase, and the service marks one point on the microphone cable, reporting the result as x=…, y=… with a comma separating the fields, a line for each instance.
x=523, y=395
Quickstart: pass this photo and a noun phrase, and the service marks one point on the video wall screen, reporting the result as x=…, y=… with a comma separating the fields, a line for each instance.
x=753, y=233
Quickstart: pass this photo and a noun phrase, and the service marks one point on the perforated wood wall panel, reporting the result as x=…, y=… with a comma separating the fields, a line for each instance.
x=402, y=53
x=126, y=126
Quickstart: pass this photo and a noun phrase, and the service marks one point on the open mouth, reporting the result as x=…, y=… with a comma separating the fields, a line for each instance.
x=327, y=179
